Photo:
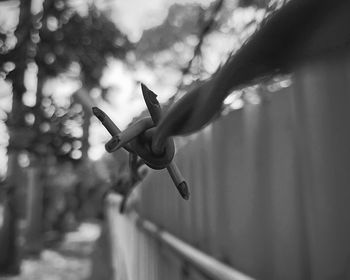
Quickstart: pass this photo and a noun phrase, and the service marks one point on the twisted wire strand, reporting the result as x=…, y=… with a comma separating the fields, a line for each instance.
x=274, y=48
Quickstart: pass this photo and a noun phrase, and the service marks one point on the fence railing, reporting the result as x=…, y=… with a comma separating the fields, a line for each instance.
x=190, y=257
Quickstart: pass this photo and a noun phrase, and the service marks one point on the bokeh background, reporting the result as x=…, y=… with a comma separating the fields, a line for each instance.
x=58, y=58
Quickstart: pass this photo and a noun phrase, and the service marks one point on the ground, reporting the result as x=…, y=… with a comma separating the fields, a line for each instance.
x=70, y=260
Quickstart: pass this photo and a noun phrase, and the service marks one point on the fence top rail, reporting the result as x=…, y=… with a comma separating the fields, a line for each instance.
x=201, y=261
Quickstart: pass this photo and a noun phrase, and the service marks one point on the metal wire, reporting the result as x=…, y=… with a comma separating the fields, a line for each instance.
x=270, y=50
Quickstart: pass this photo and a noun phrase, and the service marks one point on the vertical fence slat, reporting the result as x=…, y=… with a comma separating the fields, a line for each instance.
x=323, y=102
x=287, y=217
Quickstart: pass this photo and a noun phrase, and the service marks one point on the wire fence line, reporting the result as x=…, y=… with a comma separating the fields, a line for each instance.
x=269, y=51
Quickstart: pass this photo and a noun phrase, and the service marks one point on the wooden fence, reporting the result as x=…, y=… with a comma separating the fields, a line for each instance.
x=270, y=190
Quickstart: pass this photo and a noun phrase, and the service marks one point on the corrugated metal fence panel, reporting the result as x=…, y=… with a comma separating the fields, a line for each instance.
x=269, y=186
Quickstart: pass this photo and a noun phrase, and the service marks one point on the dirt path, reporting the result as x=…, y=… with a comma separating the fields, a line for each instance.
x=69, y=261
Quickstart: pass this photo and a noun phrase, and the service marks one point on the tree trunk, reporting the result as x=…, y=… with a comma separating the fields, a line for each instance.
x=34, y=228
x=9, y=246
x=36, y=179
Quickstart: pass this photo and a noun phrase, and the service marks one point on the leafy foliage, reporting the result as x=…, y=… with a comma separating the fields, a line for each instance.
x=59, y=40
x=181, y=22
x=88, y=40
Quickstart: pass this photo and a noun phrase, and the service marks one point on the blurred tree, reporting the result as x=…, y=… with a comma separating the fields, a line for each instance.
x=57, y=40
x=181, y=22
x=75, y=43
x=14, y=59
x=189, y=28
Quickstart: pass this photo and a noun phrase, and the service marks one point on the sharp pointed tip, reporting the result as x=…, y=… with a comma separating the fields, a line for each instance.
x=144, y=88
x=98, y=113
x=149, y=96
x=146, y=92
x=183, y=190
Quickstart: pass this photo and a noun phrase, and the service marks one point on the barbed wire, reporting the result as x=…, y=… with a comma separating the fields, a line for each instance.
x=267, y=52
x=270, y=50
